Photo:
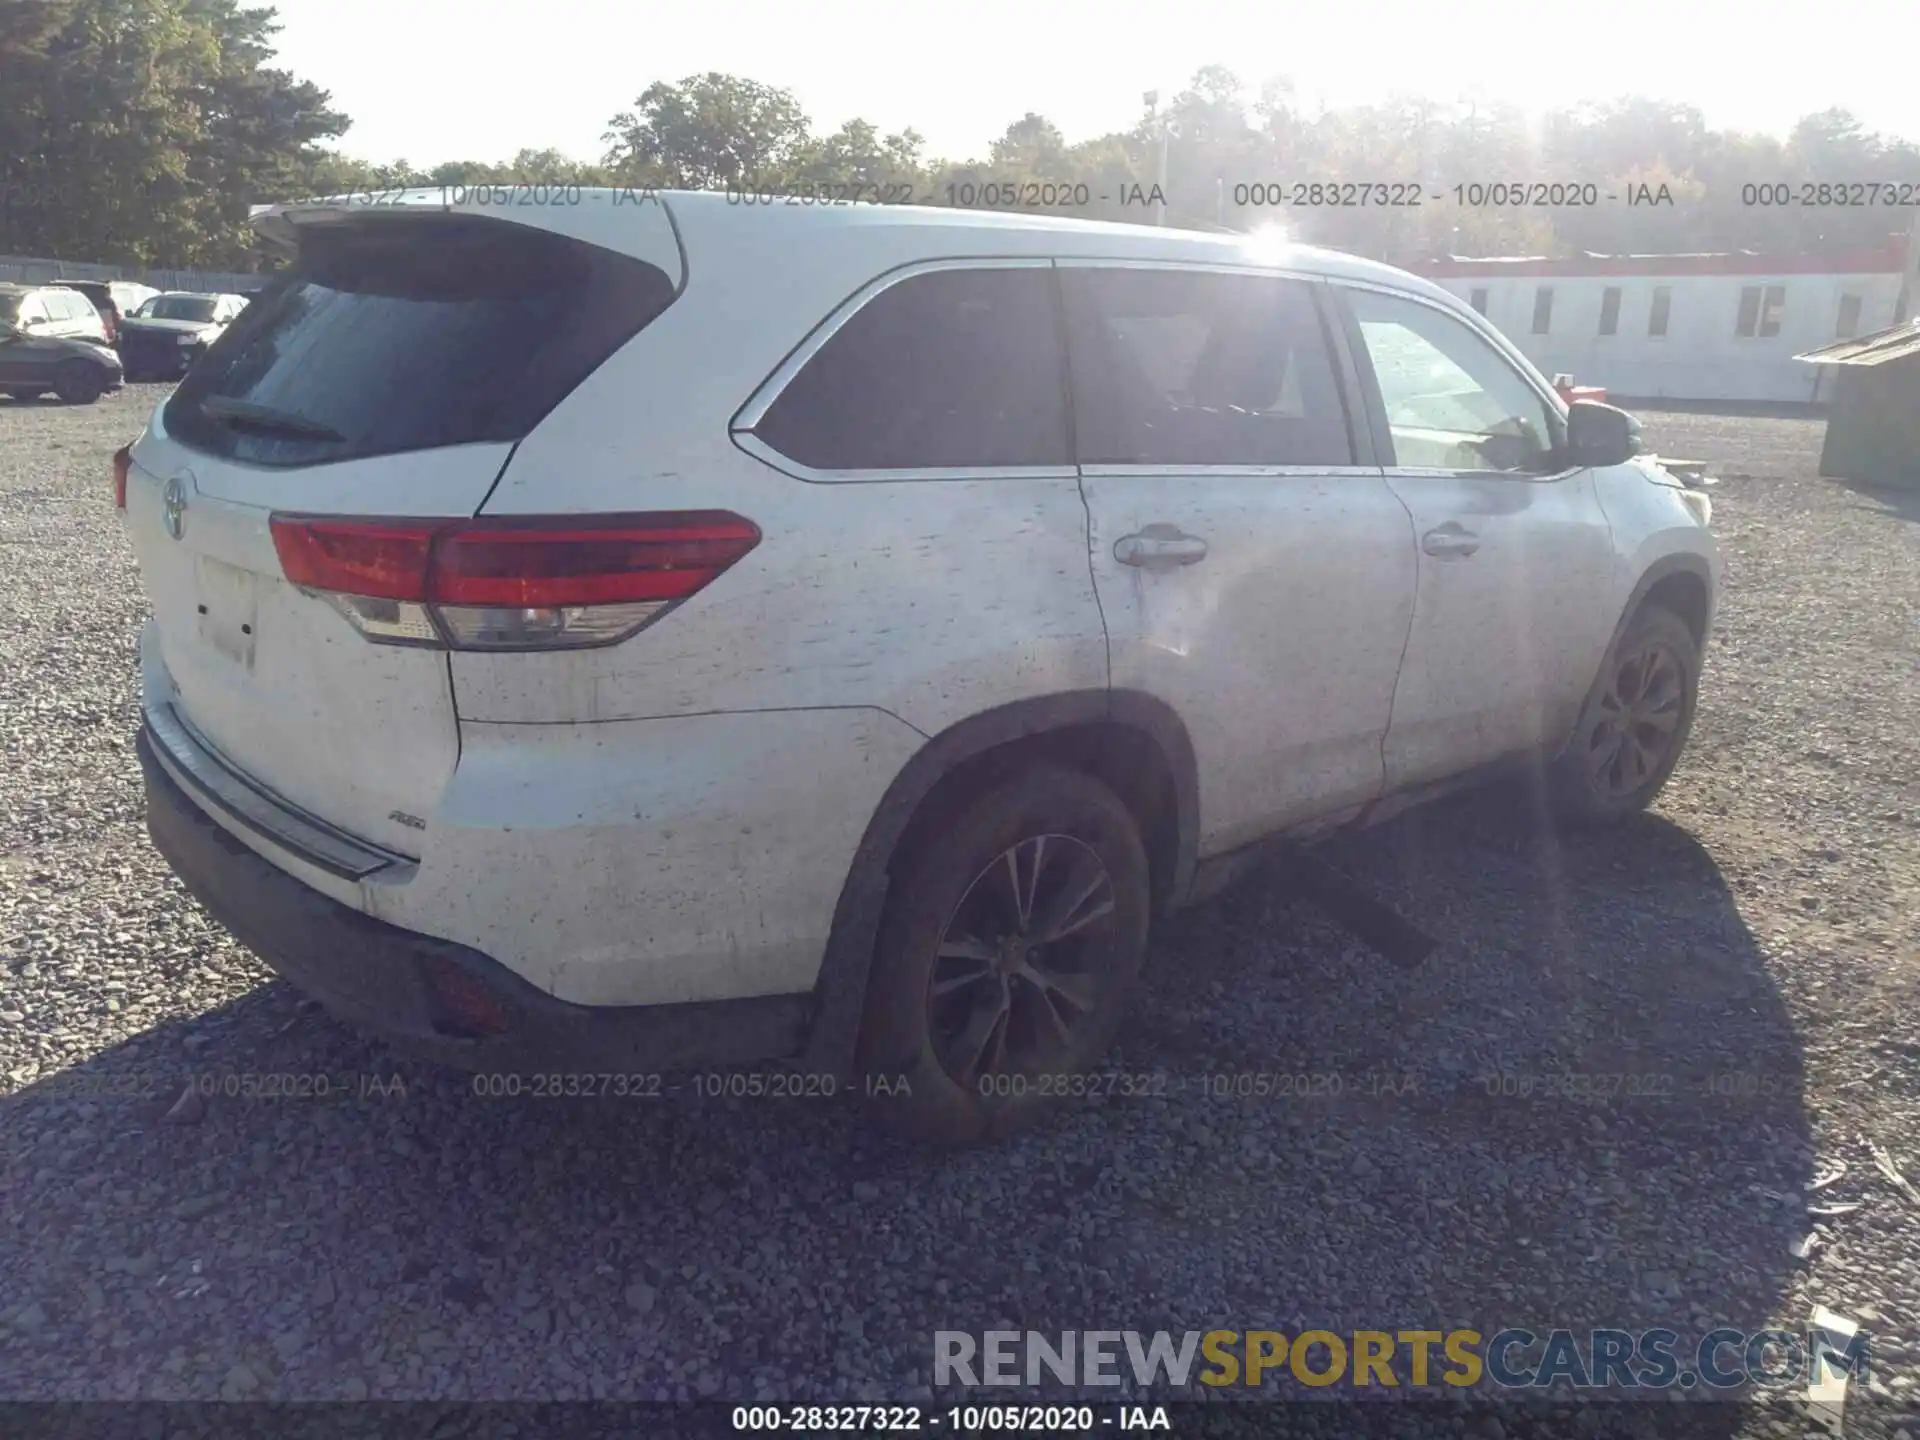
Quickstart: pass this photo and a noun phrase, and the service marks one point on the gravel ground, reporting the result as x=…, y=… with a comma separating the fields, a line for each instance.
x=1750, y=948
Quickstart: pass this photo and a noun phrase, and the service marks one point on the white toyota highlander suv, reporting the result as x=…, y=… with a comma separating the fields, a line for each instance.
x=655, y=632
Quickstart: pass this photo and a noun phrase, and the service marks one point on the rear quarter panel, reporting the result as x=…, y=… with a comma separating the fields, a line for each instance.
x=931, y=599
x=652, y=861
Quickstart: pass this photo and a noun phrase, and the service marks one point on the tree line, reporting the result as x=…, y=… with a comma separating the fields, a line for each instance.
x=140, y=131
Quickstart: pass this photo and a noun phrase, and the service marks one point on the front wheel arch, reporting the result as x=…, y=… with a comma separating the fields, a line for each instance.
x=1683, y=577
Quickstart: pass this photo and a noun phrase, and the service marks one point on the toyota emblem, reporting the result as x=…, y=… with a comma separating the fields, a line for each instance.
x=173, y=507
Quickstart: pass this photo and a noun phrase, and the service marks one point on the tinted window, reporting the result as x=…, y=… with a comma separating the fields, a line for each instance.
x=1610, y=310
x=1543, y=310
x=1749, y=310
x=1177, y=367
x=1452, y=401
x=409, y=334
x=9, y=308
x=178, y=307
x=1847, y=324
x=948, y=370
x=1661, y=308
x=1772, y=309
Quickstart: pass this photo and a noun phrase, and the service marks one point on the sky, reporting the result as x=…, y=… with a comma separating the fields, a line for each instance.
x=434, y=80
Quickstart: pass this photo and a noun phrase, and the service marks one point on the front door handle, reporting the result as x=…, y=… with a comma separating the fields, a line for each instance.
x=1450, y=542
x=1159, y=547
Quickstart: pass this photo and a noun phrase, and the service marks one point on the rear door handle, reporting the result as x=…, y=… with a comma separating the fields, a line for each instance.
x=1159, y=547
x=1450, y=541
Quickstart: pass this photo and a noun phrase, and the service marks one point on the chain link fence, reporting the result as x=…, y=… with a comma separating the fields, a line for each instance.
x=31, y=270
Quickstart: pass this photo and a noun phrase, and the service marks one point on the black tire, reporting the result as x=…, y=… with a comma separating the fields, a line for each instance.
x=1634, y=725
x=24, y=394
x=1059, y=826
x=78, y=383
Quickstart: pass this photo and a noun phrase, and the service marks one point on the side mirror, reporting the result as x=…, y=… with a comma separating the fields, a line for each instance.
x=1600, y=435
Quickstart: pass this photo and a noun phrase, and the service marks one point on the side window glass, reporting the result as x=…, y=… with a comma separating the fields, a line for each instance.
x=952, y=369
x=33, y=311
x=1453, y=402
x=1188, y=368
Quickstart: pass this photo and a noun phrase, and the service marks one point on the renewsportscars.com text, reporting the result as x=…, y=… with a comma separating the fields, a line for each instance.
x=1509, y=1359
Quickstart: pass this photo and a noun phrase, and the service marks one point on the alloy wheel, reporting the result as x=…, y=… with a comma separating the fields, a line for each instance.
x=1021, y=964
x=1640, y=713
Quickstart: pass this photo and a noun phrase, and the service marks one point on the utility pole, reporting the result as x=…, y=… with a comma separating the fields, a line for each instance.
x=1152, y=97
x=1909, y=297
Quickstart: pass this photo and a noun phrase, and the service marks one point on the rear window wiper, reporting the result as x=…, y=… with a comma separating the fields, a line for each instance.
x=231, y=410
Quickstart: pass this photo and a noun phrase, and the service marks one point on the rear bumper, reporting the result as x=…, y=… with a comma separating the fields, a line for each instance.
x=415, y=991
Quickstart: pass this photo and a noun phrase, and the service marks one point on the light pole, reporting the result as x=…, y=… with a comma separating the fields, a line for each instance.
x=1152, y=97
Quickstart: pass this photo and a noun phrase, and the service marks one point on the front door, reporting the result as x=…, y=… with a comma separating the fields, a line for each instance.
x=1514, y=549
x=1252, y=570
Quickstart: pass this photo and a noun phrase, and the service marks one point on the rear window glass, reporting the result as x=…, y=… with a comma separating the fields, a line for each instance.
x=409, y=334
x=178, y=307
x=955, y=369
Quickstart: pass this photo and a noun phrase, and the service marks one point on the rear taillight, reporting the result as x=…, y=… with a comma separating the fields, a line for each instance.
x=533, y=584
x=122, y=463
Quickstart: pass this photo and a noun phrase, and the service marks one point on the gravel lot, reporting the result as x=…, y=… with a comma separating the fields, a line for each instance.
x=1754, y=946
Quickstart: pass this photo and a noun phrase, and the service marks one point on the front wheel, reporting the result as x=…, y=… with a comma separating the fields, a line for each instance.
x=1635, y=723
x=1005, y=957
x=77, y=383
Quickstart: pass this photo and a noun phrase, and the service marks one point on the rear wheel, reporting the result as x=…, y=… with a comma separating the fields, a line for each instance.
x=77, y=383
x=1635, y=723
x=1005, y=958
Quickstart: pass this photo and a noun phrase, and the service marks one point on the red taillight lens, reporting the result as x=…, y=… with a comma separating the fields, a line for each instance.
x=662, y=557
x=511, y=584
x=122, y=464
x=386, y=559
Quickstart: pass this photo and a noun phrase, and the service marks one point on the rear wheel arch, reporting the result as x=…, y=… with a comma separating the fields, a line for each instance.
x=1133, y=742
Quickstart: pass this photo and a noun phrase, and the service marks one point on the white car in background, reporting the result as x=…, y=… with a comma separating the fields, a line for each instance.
x=599, y=640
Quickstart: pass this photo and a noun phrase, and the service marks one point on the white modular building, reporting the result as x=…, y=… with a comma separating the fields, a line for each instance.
x=1687, y=327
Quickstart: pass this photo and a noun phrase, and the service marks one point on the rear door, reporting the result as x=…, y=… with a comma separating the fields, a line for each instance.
x=1515, y=553
x=390, y=374
x=1254, y=569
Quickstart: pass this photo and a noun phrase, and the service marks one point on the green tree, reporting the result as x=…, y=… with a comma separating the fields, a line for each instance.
x=706, y=132
x=143, y=129
x=856, y=154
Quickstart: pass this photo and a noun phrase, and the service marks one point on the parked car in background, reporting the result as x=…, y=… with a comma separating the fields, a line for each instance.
x=44, y=347
x=630, y=638
x=161, y=339
x=51, y=312
x=113, y=299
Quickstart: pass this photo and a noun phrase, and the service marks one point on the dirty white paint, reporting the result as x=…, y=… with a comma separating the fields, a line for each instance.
x=1505, y=641
x=345, y=730
x=1279, y=648
x=650, y=861
x=672, y=818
